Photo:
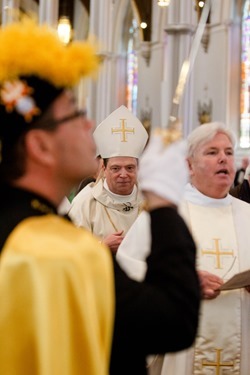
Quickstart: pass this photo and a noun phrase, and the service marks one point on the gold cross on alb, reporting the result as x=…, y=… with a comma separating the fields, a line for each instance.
x=217, y=364
x=123, y=130
x=217, y=252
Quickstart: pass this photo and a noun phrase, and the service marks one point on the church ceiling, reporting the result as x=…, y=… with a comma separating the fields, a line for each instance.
x=86, y=4
x=143, y=7
x=68, y=4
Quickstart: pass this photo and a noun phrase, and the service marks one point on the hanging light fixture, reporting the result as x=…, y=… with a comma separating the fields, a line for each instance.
x=143, y=25
x=199, y=5
x=163, y=3
x=64, y=29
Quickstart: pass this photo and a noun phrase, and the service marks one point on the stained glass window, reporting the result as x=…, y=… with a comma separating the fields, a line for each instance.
x=132, y=70
x=245, y=79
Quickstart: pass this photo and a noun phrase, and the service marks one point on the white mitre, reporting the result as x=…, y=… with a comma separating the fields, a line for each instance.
x=120, y=134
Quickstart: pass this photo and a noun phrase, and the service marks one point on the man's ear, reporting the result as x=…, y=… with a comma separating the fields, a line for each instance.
x=39, y=146
x=190, y=166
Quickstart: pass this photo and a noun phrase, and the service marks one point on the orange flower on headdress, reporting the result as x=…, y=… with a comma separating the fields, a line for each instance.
x=16, y=95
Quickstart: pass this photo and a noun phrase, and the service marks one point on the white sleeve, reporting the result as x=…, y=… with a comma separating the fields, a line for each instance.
x=64, y=206
x=77, y=208
x=135, y=248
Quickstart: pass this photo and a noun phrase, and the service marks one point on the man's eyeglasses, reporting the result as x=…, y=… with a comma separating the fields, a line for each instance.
x=52, y=123
x=78, y=113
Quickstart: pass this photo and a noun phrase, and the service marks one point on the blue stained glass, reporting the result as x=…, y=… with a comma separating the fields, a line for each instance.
x=132, y=76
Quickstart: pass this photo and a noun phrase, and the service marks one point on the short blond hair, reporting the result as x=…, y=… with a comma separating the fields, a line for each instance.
x=205, y=133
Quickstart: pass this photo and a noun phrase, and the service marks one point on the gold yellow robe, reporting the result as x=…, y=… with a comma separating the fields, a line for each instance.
x=56, y=300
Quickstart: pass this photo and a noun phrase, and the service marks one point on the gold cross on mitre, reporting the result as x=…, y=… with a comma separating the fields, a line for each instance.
x=123, y=130
x=217, y=252
x=217, y=363
x=120, y=134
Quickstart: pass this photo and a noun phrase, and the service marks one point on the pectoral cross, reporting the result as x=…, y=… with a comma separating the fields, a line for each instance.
x=217, y=252
x=217, y=364
x=123, y=130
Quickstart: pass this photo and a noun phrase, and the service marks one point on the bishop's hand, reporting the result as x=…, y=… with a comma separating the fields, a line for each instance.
x=113, y=240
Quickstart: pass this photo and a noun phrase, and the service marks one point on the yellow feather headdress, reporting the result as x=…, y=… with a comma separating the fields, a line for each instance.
x=27, y=48
x=35, y=67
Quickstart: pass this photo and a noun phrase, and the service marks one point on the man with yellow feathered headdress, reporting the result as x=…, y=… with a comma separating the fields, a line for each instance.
x=57, y=282
x=50, y=290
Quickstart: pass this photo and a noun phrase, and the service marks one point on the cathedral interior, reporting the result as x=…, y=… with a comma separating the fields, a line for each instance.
x=145, y=46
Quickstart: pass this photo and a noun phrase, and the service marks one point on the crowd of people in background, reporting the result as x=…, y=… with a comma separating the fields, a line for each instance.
x=241, y=189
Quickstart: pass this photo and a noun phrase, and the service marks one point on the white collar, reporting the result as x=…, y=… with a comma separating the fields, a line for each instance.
x=194, y=196
x=121, y=198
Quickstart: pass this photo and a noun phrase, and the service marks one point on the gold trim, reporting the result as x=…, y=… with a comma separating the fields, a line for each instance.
x=140, y=209
x=111, y=221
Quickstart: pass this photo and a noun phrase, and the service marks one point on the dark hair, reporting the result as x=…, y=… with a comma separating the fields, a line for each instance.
x=105, y=162
x=13, y=153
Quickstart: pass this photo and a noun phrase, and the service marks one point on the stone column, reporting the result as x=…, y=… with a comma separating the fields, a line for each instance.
x=102, y=18
x=48, y=12
x=10, y=11
x=179, y=32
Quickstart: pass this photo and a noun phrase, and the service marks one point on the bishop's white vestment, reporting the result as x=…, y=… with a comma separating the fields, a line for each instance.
x=220, y=228
x=103, y=212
